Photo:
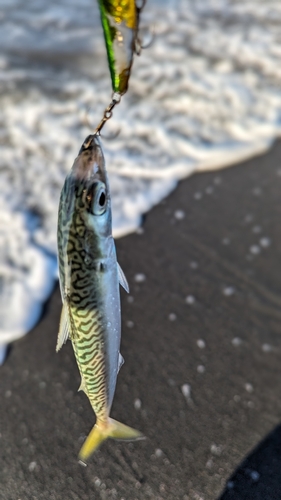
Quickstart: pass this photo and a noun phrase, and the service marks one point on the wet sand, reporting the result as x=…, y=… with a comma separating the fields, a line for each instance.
x=202, y=374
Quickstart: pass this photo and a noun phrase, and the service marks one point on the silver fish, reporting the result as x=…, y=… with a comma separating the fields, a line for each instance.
x=89, y=281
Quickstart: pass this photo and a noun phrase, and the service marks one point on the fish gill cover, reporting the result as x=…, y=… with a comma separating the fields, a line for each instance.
x=205, y=95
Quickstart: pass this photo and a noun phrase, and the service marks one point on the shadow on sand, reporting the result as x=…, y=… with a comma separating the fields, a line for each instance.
x=259, y=475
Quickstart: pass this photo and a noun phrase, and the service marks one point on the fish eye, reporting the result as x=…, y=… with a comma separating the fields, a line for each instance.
x=97, y=198
x=102, y=199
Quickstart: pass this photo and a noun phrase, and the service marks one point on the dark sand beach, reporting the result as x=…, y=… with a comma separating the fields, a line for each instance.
x=202, y=346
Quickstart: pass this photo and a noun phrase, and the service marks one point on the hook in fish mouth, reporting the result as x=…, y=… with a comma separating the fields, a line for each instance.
x=90, y=164
x=92, y=146
x=88, y=143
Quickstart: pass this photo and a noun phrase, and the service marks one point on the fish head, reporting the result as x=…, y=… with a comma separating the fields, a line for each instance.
x=91, y=187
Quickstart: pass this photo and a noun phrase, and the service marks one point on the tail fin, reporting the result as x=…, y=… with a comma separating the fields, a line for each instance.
x=103, y=430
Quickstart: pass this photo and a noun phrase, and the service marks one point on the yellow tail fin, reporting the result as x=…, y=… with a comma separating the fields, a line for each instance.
x=103, y=430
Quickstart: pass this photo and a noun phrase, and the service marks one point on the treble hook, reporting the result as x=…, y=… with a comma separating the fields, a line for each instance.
x=140, y=4
x=138, y=42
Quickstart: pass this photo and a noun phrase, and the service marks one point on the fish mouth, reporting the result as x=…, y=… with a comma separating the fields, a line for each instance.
x=89, y=165
x=89, y=142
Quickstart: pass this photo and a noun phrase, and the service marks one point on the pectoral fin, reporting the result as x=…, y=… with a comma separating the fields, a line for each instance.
x=64, y=329
x=122, y=279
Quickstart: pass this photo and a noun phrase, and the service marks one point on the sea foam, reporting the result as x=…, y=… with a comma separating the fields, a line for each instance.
x=204, y=95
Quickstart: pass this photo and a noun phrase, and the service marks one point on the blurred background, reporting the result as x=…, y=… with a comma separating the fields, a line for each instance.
x=203, y=96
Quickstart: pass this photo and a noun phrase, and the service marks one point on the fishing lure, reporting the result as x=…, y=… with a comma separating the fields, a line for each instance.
x=89, y=280
x=120, y=21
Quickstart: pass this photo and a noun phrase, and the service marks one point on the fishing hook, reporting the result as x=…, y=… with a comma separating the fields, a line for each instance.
x=141, y=6
x=138, y=43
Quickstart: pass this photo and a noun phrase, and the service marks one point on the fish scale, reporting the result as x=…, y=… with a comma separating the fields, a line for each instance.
x=89, y=282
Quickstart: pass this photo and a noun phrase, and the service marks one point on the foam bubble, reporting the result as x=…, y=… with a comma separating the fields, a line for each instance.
x=139, y=278
x=201, y=369
x=265, y=242
x=201, y=344
x=190, y=299
x=172, y=317
x=255, y=249
x=236, y=341
x=193, y=265
x=137, y=404
x=186, y=390
x=249, y=387
x=179, y=214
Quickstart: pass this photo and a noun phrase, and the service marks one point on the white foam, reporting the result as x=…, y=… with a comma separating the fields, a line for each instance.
x=205, y=95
